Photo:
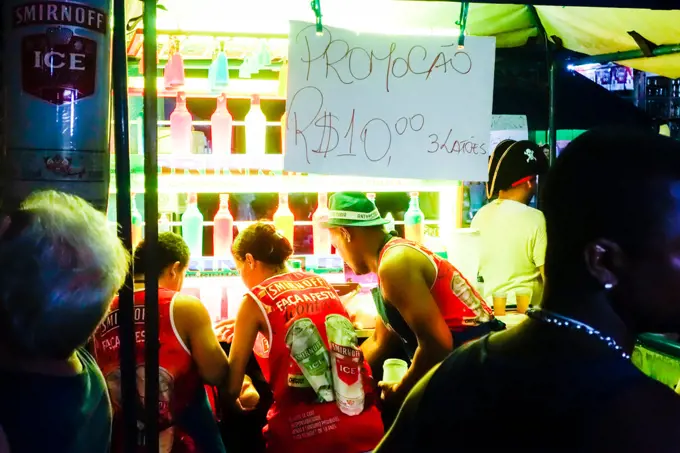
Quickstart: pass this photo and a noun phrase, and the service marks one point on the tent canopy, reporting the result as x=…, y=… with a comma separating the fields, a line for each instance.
x=586, y=30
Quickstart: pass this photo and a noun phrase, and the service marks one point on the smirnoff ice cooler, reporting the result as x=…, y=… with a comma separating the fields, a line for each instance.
x=309, y=352
x=57, y=71
x=346, y=361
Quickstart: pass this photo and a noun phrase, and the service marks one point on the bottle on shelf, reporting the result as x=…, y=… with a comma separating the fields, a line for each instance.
x=164, y=225
x=371, y=197
x=390, y=225
x=173, y=73
x=139, y=137
x=180, y=126
x=284, y=220
x=192, y=227
x=218, y=72
x=284, y=130
x=220, y=128
x=223, y=230
x=112, y=215
x=137, y=223
x=283, y=80
x=414, y=221
x=480, y=285
x=256, y=128
x=320, y=235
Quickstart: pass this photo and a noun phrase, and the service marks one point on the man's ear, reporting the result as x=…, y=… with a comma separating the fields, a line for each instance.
x=346, y=234
x=605, y=262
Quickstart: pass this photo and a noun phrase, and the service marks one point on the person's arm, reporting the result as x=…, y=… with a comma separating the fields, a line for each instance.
x=249, y=322
x=193, y=324
x=400, y=436
x=4, y=443
x=403, y=279
x=378, y=346
x=540, y=244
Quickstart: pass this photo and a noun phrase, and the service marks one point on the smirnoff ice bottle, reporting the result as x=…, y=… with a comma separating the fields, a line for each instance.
x=346, y=360
x=307, y=349
x=465, y=293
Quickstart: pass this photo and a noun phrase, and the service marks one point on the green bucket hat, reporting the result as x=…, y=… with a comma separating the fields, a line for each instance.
x=352, y=209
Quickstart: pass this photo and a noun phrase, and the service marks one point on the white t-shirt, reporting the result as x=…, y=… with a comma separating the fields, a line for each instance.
x=513, y=241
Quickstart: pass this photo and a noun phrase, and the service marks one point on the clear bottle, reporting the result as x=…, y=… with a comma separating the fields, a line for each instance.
x=321, y=236
x=283, y=132
x=284, y=220
x=223, y=230
x=480, y=285
x=256, y=128
x=140, y=134
x=283, y=80
x=137, y=223
x=414, y=221
x=180, y=126
x=371, y=197
x=390, y=225
x=164, y=225
x=112, y=215
x=220, y=128
x=192, y=227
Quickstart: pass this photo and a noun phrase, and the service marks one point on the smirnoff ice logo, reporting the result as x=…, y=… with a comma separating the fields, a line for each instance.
x=60, y=13
x=59, y=66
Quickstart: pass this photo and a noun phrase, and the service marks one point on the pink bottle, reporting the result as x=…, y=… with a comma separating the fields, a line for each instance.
x=180, y=126
x=220, y=127
x=320, y=235
x=223, y=230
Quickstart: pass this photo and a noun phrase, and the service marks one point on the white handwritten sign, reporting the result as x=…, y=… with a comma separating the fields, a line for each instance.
x=388, y=106
x=508, y=127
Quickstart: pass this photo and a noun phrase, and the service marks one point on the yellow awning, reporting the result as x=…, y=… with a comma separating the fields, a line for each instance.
x=592, y=31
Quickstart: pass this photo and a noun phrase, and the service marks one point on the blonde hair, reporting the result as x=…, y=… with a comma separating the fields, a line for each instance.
x=58, y=274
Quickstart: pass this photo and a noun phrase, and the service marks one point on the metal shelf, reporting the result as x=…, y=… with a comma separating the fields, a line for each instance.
x=244, y=173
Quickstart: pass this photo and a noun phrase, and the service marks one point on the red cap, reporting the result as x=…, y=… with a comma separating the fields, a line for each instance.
x=255, y=99
x=192, y=197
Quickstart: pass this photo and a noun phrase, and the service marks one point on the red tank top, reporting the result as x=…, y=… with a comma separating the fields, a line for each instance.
x=458, y=301
x=323, y=397
x=179, y=378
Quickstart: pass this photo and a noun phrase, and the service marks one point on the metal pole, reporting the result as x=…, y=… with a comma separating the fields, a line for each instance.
x=552, y=127
x=666, y=49
x=151, y=228
x=123, y=205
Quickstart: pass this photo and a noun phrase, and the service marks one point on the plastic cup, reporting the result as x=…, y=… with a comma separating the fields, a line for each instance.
x=499, y=302
x=523, y=300
x=394, y=370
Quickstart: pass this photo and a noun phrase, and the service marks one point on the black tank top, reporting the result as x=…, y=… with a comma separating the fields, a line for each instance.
x=477, y=402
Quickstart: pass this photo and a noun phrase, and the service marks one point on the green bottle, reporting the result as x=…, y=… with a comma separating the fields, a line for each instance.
x=137, y=223
x=414, y=221
x=192, y=227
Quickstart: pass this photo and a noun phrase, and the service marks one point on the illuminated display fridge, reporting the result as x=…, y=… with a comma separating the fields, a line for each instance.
x=220, y=155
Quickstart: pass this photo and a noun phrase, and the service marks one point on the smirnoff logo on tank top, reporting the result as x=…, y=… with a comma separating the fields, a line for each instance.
x=300, y=297
x=111, y=321
x=279, y=287
x=60, y=13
